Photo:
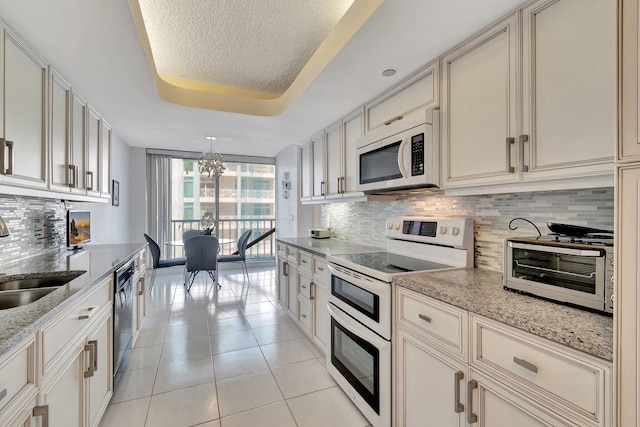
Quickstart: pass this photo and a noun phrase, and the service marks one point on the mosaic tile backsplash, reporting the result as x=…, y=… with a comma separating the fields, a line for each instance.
x=364, y=222
x=36, y=226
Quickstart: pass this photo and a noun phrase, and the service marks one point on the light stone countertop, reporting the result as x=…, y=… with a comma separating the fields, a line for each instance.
x=326, y=247
x=99, y=262
x=481, y=292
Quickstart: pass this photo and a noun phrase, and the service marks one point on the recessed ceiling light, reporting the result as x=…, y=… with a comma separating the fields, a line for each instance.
x=210, y=138
x=388, y=72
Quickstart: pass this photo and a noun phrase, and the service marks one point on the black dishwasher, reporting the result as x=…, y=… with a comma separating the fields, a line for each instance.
x=122, y=315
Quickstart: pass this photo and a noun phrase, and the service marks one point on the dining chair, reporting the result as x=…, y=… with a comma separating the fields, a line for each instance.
x=160, y=263
x=190, y=233
x=240, y=257
x=202, y=255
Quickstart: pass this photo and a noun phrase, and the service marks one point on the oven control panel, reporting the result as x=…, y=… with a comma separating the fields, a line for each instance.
x=454, y=232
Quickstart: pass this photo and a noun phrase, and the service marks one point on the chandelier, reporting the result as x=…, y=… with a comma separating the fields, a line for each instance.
x=210, y=162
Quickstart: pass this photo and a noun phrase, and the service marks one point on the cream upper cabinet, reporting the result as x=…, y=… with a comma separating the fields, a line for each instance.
x=405, y=101
x=319, y=181
x=306, y=171
x=352, y=129
x=629, y=146
x=105, y=158
x=60, y=175
x=479, y=110
x=568, y=88
x=23, y=160
x=335, y=159
x=79, y=148
x=92, y=177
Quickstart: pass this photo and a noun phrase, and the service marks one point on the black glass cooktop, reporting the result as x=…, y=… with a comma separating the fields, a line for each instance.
x=387, y=262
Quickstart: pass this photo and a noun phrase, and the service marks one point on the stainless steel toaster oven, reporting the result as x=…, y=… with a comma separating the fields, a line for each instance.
x=577, y=273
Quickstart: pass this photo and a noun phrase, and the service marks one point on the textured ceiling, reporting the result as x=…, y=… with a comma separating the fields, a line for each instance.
x=259, y=45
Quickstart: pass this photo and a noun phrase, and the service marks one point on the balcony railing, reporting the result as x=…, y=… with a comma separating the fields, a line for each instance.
x=231, y=229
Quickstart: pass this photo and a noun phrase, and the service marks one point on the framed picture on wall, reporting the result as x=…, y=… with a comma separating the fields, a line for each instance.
x=115, y=193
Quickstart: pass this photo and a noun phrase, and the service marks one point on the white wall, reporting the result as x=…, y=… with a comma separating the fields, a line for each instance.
x=110, y=224
x=292, y=218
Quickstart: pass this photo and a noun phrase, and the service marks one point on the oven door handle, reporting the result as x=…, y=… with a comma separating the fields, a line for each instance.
x=357, y=328
x=371, y=285
x=558, y=250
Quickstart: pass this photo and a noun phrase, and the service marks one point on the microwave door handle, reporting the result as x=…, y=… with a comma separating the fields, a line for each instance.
x=558, y=250
x=403, y=145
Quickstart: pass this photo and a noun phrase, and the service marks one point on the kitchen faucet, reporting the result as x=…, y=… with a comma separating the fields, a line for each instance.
x=4, y=230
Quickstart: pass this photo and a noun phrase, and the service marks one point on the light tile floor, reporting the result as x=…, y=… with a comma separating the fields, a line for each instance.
x=225, y=358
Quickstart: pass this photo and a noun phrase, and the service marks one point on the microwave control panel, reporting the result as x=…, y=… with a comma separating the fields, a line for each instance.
x=417, y=155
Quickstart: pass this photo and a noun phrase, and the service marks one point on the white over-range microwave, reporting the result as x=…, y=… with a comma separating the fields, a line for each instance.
x=400, y=156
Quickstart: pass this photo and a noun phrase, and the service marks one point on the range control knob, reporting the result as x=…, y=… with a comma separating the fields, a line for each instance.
x=443, y=229
x=612, y=263
x=389, y=226
x=455, y=231
x=396, y=226
x=613, y=279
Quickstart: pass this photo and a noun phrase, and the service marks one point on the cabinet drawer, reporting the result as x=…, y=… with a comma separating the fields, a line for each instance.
x=292, y=256
x=304, y=315
x=305, y=261
x=441, y=324
x=58, y=333
x=282, y=249
x=320, y=268
x=564, y=378
x=17, y=374
x=304, y=286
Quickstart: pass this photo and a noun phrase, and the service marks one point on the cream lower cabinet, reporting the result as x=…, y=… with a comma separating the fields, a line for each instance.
x=139, y=292
x=18, y=385
x=458, y=369
x=288, y=279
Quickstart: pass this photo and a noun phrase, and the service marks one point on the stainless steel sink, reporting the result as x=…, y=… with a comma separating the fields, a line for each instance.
x=36, y=282
x=19, y=292
x=11, y=299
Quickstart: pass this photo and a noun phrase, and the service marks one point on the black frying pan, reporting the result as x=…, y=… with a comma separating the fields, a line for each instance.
x=574, y=230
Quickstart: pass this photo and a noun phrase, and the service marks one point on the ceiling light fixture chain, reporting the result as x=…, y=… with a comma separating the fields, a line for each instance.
x=210, y=162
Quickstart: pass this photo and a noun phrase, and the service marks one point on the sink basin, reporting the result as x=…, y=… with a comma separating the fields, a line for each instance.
x=19, y=292
x=11, y=299
x=37, y=282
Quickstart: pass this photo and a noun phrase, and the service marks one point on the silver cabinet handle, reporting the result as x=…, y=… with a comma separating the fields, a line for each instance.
x=458, y=407
x=90, y=174
x=342, y=179
x=510, y=142
x=521, y=140
x=339, y=191
x=141, y=290
x=425, y=318
x=90, y=370
x=471, y=417
x=388, y=122
x=42, y=411
x=285, y=267
x=312, y=294
x=73, y=181
x=526, y=365
x=322, y=188
x=304, y=316
x=95, y=353
x=10, y=145
x=3, y=394
x=303, y=287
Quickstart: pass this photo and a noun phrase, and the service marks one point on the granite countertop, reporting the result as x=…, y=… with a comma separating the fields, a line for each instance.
x=98, y=262
x=480, y=291
x=326, y=247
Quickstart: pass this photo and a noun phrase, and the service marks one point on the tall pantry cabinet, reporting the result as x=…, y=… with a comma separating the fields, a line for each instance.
x=627, y=256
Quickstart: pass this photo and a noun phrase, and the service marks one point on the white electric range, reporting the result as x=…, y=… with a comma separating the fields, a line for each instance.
x=360, y=303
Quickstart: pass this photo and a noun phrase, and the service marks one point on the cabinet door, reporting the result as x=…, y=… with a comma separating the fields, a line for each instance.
x=100, y=383
x=92, y=176
x=105, y=158
x=335, y=158
x=60, y=178
x=64, y=394
x=569, y=88
x=292, y=281
x=23, y=159
x=430, y=386
x=283, y=282
x=306, y=171
x=629, y=142
x=406, y=101
x=79, y=143
x=479, y=108
x=495, y=405
x=352, y=129
x=319, y=184
x=627, y=295
x=322, y=321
